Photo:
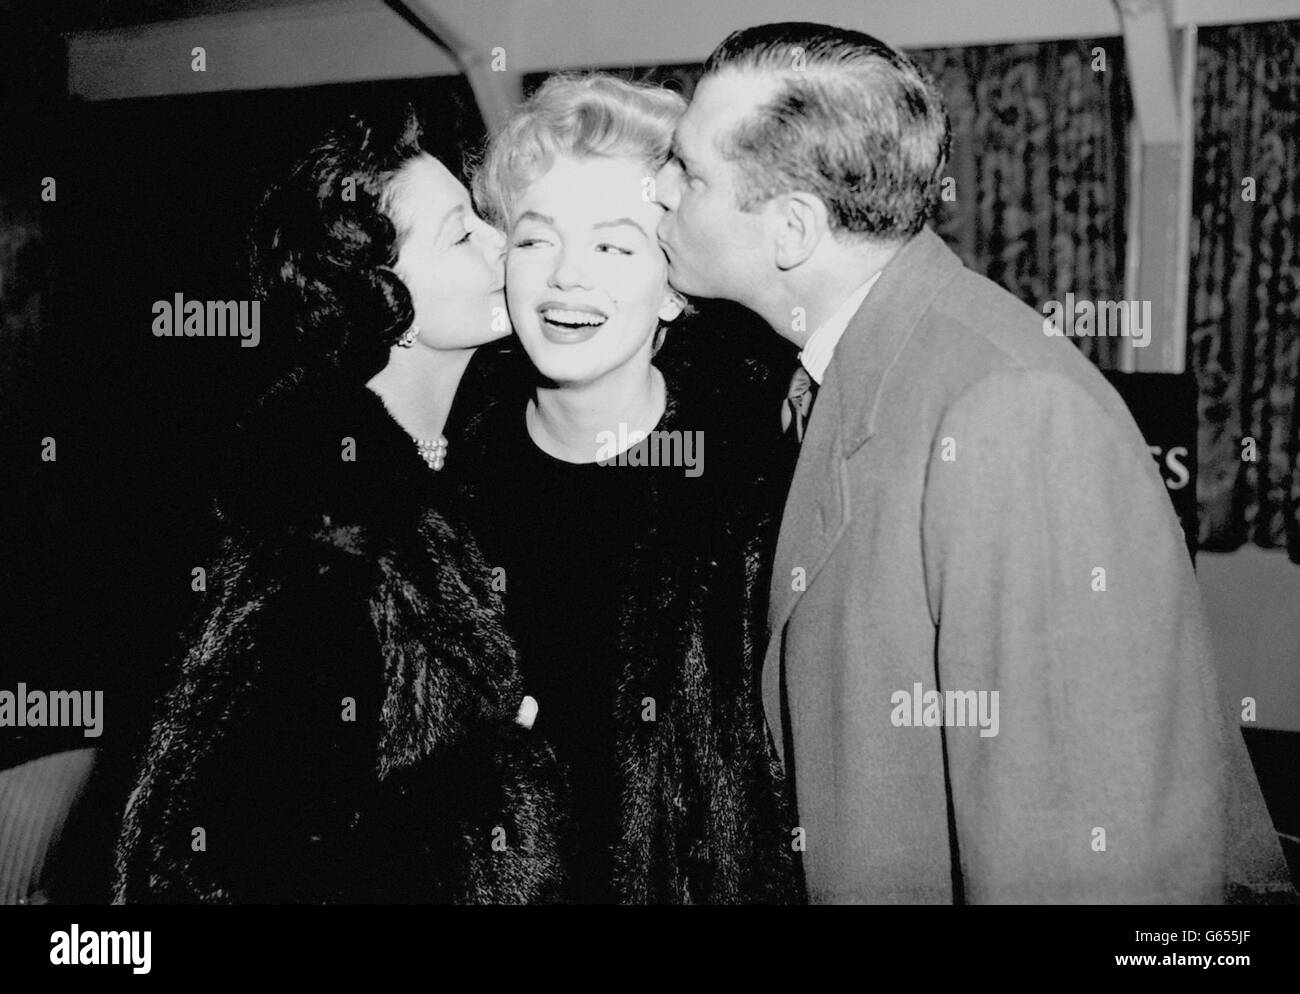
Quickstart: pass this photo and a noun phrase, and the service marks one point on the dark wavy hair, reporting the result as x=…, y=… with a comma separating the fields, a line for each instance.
x=321, y=239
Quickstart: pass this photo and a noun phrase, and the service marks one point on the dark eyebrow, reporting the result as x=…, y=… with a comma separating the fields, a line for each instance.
x=622, y=221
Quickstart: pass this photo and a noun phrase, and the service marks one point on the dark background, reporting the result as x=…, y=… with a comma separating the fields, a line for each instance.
x=154, y=198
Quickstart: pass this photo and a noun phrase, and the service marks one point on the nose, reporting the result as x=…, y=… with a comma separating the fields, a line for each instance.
x=567, y=273
x=666, y=191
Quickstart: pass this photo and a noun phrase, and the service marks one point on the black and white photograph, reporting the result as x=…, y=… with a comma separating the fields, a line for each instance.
x=651, y=452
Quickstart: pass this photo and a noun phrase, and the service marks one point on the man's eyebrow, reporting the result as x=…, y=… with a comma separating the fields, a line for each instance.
x=622, y=221
x=534, y=216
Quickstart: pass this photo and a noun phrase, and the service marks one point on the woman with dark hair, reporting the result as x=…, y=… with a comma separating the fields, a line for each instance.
x=349, y=720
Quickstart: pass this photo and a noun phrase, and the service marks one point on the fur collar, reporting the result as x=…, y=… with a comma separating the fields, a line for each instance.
x=318, y=450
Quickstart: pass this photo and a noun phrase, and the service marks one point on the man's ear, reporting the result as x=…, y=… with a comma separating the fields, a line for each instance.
x=799, y=220
x=673, y=305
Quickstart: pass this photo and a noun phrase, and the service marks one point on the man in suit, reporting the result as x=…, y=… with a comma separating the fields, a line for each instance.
x=988, y=669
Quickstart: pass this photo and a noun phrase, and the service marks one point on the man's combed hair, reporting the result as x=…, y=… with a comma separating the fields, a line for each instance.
x=577, y=116
x=322, y=241
x=853, y=121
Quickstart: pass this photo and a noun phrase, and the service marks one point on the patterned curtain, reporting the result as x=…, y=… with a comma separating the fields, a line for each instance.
x=1245, y=306
x=1040, y=163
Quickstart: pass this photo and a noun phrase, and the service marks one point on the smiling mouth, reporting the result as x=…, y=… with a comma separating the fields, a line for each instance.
x=571, y=319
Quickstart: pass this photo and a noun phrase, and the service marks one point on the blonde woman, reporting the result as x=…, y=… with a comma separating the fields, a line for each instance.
x=632, y=525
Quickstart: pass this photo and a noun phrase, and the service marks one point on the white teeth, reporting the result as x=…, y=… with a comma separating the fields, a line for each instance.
x=571, y=317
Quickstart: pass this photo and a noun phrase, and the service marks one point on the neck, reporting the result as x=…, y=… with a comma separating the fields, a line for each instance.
x=567, y=421
x=819, y=288
x=418, y=386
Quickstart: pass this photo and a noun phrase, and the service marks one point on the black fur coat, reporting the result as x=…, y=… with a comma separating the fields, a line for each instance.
x=706, y=815
x=342, y=726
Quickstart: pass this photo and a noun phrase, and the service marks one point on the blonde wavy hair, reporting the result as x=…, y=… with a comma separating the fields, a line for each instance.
x=579, y=116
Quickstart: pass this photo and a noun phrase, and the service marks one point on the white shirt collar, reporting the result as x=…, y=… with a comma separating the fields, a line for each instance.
x=820, y=347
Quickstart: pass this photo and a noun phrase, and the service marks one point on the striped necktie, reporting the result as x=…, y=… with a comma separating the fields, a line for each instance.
x=798, y=402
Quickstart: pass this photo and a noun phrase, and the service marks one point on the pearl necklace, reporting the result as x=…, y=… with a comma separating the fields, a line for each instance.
x=433, y=451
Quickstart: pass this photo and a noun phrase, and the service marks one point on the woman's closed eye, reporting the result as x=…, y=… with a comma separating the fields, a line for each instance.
x=463, y=239
x=617, y=249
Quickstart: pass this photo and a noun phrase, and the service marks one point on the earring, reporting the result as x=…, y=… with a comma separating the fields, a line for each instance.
x=409, y=336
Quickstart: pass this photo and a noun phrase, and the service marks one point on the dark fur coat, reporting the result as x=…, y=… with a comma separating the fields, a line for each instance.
x=706, y=816
x=342, y=727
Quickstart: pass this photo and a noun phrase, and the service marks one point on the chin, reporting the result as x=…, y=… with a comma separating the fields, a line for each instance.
x=489, y=337
x=565, y=374
x=684, y=281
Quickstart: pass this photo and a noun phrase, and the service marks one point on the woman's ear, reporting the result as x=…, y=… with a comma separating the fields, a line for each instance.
x=673, y=305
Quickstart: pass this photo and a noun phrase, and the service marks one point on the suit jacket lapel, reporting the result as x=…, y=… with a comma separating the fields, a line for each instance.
x=818, y=508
